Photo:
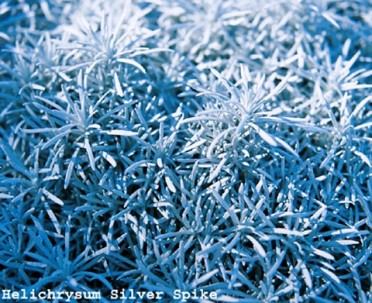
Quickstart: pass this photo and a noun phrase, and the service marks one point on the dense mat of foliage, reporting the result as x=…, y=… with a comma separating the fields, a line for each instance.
x=170, y=144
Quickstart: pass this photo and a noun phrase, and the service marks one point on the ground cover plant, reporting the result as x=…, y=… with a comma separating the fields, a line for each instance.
x=161, y=145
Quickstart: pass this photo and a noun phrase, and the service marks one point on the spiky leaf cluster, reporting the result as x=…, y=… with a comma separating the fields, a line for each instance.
x=164, y=145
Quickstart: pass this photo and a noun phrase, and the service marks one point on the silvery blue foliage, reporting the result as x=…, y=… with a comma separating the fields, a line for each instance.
x=163, y=145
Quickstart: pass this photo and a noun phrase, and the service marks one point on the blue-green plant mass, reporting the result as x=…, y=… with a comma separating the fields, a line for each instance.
x=187, y=146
